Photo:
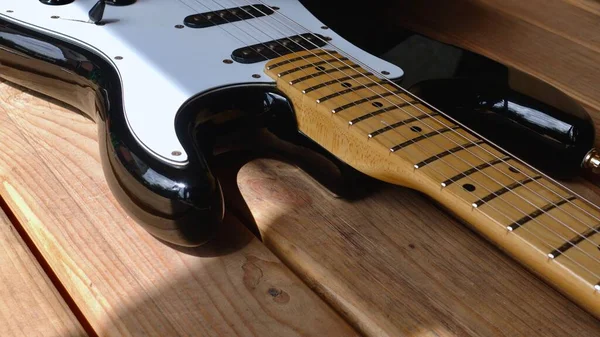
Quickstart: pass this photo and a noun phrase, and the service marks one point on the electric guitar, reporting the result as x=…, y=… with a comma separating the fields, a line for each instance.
x=168, y=80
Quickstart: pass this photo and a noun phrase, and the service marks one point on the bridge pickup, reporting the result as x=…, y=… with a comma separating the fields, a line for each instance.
x=276, y=48
x=228, y=15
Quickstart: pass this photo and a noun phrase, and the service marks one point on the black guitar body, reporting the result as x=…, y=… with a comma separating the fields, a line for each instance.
x=185, y=205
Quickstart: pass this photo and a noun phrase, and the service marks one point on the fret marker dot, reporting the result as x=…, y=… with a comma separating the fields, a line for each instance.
x=597, y=287
x=550, y=255
x=474, y=205
x=469, y=187
x=416, y=128
x=377, y=104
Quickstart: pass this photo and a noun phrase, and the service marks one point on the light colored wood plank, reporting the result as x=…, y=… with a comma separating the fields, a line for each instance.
x=557, y=41
x=30, y=305
x=124, y=281
x=396, y=265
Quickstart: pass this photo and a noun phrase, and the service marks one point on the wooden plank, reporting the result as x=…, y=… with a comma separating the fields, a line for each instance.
x=124, y=281
x=559, y=44
x=396, y=265
x=31, y=305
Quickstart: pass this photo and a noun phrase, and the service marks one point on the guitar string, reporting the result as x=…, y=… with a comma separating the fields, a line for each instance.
x=492, y=192
x=562, y=199
x=488, y=190
x=502, y=185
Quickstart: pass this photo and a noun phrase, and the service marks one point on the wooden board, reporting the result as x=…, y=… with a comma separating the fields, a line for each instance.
x=30, y=305
x=396, y=265
x=557, y=41
x=393, y=263
x=124, y=281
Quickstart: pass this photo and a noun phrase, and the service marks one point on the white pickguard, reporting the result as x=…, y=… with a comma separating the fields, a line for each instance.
x=162, y=66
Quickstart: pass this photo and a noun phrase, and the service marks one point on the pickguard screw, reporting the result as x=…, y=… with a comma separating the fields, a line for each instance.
x=10, y=11
x=179, y=26
x=227, y=61
x=256, y=75
x=118, y=57
x=324, y=27
x=385, y=72
x=176, y=153
x=55, y=17
x=327, y=38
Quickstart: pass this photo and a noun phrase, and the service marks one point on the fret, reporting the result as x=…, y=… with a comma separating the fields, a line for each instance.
x=335, y=81
x=505, y=189
x=295, y=59
x=421, y=137
x=366, y=99
x=507, y=201
x=397, y=124
x=477, y=168
x=378, y=112
x=447, y=152
x=577, y=249
x=574, y=241
x=352, y=89
x=310, y=65
x=322, y=72
x=517, y=224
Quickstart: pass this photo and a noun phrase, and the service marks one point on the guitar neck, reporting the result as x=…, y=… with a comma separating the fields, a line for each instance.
x=379, y=129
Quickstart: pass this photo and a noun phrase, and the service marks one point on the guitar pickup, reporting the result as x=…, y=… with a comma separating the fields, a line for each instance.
x=276, y=48
x=228, y=15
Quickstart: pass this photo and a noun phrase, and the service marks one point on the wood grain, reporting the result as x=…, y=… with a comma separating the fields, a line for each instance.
x=557, y=41
x=395, y=265
x=31, y=305
x=397, y=139
x=124, y=281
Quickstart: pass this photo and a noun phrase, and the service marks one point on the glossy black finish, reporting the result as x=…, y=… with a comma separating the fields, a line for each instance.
x=56, y=2
x=97, y=12
x=182, y=205
x=120, y=2
x=518, y=112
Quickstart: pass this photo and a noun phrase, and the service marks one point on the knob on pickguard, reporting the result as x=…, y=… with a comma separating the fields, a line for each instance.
x=97, y=12
x=56, y=2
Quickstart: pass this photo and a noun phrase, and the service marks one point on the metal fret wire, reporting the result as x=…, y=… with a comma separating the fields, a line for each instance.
x=462, y=146
x=462, y=136
x=492, y=192
x=568, y=240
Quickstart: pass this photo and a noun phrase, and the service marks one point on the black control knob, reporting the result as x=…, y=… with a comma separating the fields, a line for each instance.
x=56, y=2
x=119, y=2
x=97, y=12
